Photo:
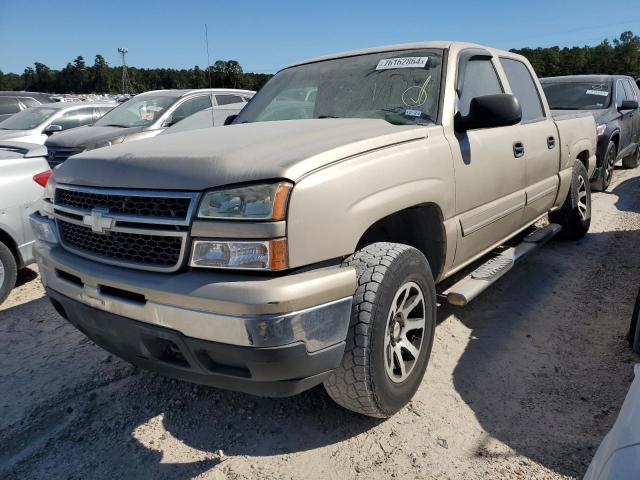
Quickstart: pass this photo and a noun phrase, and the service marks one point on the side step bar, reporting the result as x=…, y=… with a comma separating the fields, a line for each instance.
x=469, y=287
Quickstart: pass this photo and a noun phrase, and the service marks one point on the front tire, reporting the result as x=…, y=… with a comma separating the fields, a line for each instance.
x=391, y=331
x=575, y=214
x=8, y=272
x=608, y=164
x=633, y=336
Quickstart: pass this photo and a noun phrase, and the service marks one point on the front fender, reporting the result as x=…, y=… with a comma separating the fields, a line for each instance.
x=331, y=208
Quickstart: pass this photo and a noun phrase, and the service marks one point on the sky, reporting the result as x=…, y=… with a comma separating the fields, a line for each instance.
x=267, y=35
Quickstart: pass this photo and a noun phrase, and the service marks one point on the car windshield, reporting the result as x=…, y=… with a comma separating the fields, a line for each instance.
x=28, y=119
x=577, y=95
x=137, y=112
x=401, y=87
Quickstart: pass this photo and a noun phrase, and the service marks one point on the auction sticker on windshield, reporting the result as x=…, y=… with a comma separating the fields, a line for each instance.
x=597, y=92
x=402, y=62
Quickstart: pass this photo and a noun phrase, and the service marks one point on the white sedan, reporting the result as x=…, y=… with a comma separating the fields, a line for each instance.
x=36, y=124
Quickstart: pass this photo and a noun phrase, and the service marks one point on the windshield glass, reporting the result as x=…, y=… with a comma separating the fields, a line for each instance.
x=401, y=87
x=137, y=112
x=28, y=119
x=577, y=95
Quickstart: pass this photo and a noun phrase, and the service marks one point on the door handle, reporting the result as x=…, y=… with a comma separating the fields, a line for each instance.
x=518, y=149
x=551, y=142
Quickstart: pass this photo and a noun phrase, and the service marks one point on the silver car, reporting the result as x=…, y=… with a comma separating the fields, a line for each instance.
x=36, y=124
x=143, y=116
x=23, y=175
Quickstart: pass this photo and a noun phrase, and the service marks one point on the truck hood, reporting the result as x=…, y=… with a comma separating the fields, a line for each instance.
x=202, y=159
x=88, y=135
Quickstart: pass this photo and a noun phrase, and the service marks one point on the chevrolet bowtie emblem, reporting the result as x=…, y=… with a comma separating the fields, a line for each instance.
x=98, y=221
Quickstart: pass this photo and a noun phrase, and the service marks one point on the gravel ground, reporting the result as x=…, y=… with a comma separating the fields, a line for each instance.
x=523, y=383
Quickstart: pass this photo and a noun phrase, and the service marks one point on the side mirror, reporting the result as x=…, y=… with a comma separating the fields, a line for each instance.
x=229, y=120
x=628, y=105
x=51, y=129
x=488, y=111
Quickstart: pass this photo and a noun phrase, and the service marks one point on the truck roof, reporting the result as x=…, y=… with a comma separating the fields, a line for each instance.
x=442, y=44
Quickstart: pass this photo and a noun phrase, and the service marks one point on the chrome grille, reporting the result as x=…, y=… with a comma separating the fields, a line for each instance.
x=125, y=204
x=140, y=229
x=57, y=155
x=152, y=250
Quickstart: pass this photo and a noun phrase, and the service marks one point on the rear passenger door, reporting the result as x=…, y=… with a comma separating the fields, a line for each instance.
x=539, y=138
x=489, y=177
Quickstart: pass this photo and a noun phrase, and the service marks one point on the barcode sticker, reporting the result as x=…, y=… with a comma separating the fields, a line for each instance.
x=597, y=92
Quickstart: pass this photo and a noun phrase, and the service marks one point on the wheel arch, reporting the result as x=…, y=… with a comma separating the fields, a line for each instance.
x=420, y=226
x=8, y=240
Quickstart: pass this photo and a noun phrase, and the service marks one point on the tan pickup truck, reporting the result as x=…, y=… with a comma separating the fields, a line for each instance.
x=304, y=243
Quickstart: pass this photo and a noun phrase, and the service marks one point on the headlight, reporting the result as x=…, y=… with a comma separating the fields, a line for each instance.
x=108, y=143
x=600, y=129
x=43, y=229
x=251, y=202
x=268, y=255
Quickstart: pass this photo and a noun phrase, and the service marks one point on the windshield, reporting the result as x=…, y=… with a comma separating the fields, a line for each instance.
x=137, y=112
x=28, y=119
x=401, y=87
x=577, y=95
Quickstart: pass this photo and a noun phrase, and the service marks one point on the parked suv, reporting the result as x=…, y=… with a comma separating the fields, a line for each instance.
x=143, y=116
x=613, y=101
x=15, y=102
x=303, y=243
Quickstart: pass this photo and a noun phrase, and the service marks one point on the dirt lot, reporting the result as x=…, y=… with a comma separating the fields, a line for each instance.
x=522, y=384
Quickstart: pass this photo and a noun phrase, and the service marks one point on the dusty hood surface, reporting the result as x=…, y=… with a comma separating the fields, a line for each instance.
x=87, y=135
x=202, y=159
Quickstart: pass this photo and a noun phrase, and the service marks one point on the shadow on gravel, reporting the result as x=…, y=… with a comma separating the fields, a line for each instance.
x=547, y=366
x=25, y=275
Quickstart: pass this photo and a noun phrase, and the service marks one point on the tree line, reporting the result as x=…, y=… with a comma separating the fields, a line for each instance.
x=77, y=77
x=620, y=56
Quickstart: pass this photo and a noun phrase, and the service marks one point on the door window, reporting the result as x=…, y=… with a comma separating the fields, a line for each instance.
x=620, y=93
x=190, y=107
x=9, y=105
x=629, y=91
x=524, y=89
x=75, y=118
x=480, y=78
x=228, y=99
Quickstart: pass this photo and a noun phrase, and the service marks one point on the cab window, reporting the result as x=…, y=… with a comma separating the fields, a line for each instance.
x=480, y=78
x=524, y=89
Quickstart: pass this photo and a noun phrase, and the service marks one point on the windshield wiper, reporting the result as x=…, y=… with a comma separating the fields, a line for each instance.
x=326, y=116
x=114, y=125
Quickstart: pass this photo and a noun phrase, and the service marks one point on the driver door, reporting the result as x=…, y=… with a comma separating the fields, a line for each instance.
x=489, y=170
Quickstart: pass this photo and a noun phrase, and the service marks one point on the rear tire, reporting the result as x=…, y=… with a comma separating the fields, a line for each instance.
x=632, y=161
x=8, y=272
x=575, y=214
x=391, y=331
x=608, y=164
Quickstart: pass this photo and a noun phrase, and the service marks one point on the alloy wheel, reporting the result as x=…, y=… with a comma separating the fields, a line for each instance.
x=583, y=200
x=404, y=332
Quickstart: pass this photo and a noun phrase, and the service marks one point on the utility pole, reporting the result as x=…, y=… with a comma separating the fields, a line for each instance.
x=126, y=84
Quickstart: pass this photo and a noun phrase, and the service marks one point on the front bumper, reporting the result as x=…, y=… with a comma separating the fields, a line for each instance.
x=266, y=335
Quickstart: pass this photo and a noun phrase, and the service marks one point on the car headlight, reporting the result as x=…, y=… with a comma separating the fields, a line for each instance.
x=43, y=229
x=108, y=143
x=270, y=255
x=600, y=129
x=267, y=201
